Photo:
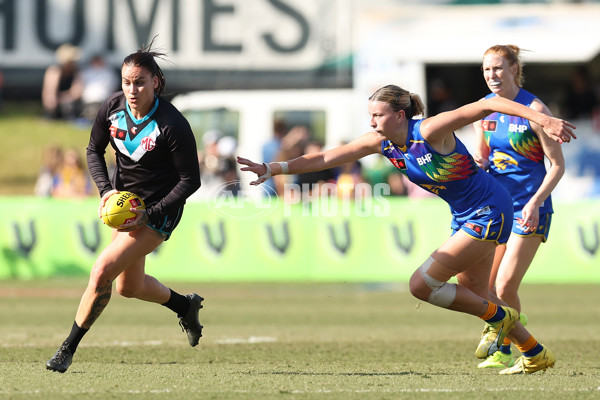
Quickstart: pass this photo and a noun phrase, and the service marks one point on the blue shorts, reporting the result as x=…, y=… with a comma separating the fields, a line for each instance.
x=168, y=224
x=489, y=223
x=543, y=228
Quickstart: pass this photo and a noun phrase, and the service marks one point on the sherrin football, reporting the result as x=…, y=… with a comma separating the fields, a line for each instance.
x=115, y=211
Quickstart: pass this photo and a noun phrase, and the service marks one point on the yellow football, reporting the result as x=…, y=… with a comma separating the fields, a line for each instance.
x=115, y=211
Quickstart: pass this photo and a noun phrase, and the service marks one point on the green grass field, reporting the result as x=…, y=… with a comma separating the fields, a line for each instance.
x=289, y=341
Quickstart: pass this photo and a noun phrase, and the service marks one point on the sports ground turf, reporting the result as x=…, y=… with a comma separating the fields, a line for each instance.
x=289, y=341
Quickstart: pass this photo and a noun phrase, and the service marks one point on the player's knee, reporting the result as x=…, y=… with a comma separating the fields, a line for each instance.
x=444, y=295
x=99, y=276
x=417, y=286
x=424, y=287
x=505, y=289
x=126, y=290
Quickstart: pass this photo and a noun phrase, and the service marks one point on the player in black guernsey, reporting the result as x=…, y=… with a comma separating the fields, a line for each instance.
x=156, y=155
x=156, y=159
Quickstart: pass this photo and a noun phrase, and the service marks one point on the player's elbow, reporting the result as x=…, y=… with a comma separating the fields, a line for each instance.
x=196, y=183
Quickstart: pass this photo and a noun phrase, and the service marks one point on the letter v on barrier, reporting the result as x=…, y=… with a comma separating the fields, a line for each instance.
x=217, y=247
x=590, y=248
x=93, y=244
x=341, y=247
x=22, y=247
x=409, y=243
x=283, y=245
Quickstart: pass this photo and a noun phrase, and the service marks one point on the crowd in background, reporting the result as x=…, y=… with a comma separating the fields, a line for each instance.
x=63, y=174
x=74, y=90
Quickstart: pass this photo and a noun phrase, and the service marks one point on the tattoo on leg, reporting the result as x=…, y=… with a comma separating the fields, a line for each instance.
x=102, y=299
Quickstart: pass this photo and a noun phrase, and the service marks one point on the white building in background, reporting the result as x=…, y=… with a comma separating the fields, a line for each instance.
x=395, y=43
x=319, y=59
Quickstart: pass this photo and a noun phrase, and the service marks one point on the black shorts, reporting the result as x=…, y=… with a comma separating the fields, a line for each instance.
x=168, y=223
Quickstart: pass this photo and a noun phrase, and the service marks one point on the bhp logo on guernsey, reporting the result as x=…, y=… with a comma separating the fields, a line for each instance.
x=517, y=128
x=425, y=159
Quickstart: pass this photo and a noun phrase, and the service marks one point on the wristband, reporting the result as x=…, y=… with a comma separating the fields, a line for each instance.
x=267, y=174
x=284, y=167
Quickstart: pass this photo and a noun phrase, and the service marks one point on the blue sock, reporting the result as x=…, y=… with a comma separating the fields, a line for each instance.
x=500, y=314
x=537, y=349
x=505, y=349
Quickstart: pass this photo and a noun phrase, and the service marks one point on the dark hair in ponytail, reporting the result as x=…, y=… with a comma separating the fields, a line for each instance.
x=145, y=57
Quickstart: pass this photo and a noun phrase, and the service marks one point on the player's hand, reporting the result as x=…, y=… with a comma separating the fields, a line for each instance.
x=261, y=170
x=559, y=130
x=103, y=200
x=531, y=218
x=483, y=163
x=140, y=220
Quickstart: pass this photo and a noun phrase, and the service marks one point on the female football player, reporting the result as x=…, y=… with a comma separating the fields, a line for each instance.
x=513, y=148
x=156, y=159
x=430, y=155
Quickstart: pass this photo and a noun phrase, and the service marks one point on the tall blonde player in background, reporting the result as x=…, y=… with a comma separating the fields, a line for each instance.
x=513, y=150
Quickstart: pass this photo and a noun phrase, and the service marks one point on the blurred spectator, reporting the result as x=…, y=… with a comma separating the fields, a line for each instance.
x=383, y=172
x=99, y=82
x=51, y=161
x=580, y=97
x=62, y=85
x=440, y=98
x=397, y=183
x=209, y=164
x=283, y=145
x=314, y=180
x=71, y=179
x=230, y=177
x=218, y=166
x=272, y=147
x=415, y=191
x=226, y=149
x=293, y=145
x=348, y=176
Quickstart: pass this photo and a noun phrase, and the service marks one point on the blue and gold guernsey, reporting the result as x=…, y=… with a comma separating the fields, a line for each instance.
x=479, y=204
x=156, y=156
x=516, y=154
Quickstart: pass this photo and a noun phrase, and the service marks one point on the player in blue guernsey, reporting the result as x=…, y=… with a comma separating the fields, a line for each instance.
x=156, y=159
x=430, y=155
x=513, y=150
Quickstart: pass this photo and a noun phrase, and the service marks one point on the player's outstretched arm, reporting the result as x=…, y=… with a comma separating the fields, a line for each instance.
x=445, y=123
x=358, y=148
x=555, y=128
x=261, y=170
